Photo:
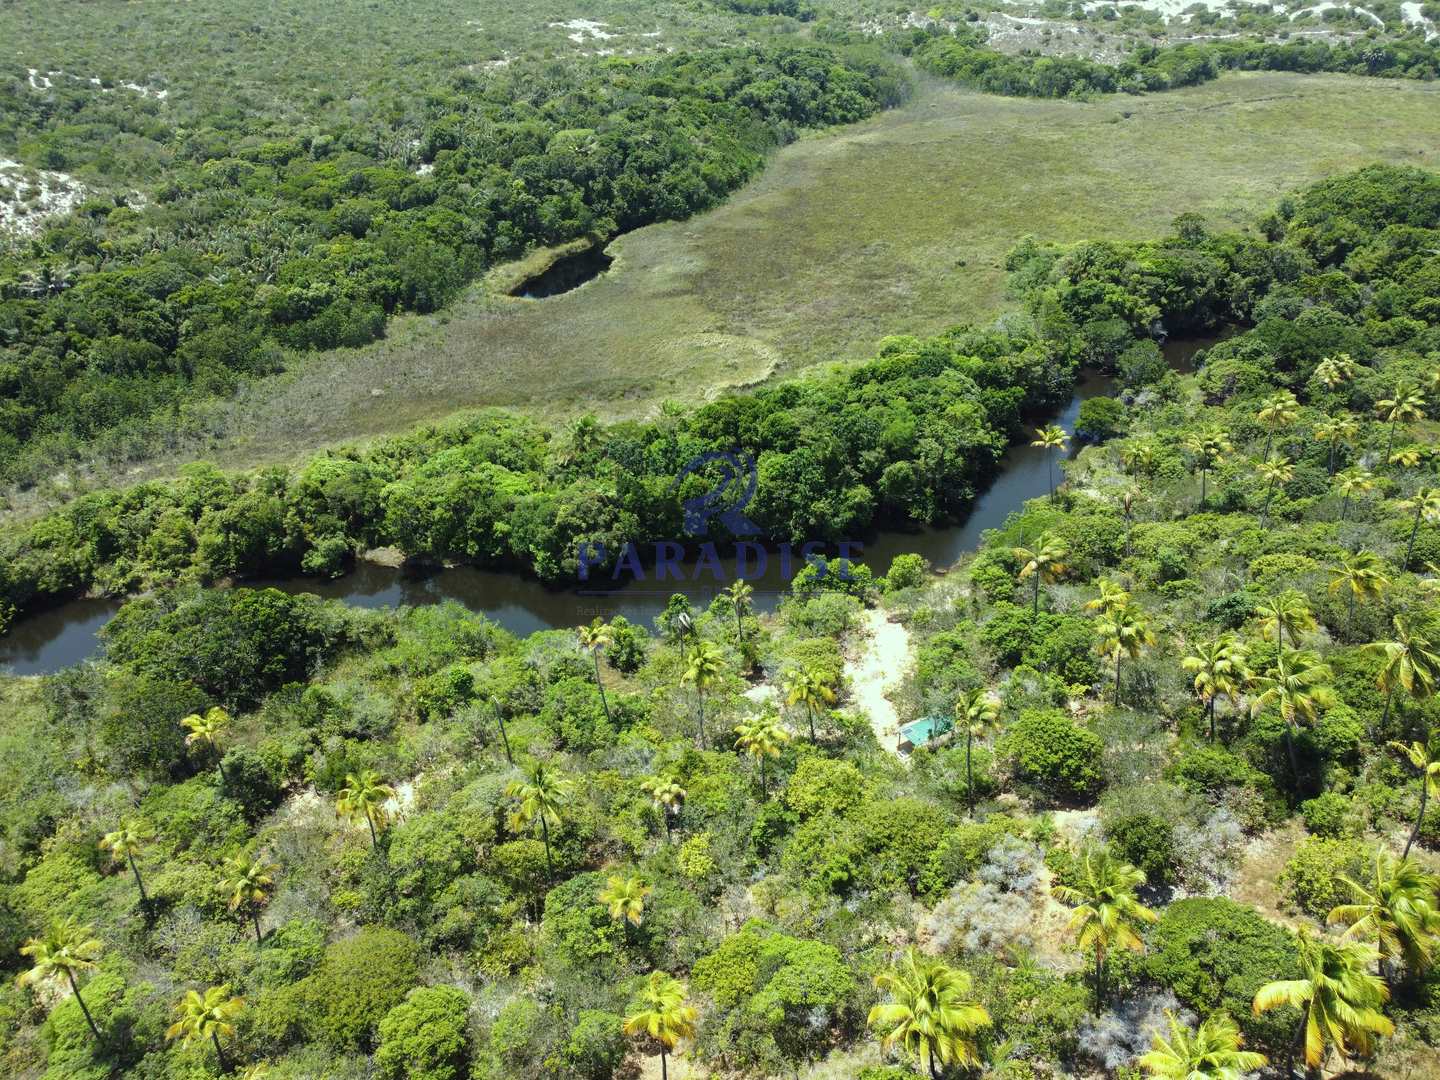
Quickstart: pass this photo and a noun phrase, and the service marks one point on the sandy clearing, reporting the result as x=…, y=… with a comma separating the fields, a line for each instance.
x=879, y=668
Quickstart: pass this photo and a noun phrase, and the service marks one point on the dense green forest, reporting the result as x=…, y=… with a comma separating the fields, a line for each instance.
x=1181, y=811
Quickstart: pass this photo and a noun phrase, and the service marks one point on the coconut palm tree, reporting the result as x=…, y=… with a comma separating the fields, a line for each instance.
x=125, y=844
x=811, y=687
x=249, y=881
x=65, y=952
x=762, y=737
x=705, y=669
x=1138, y=456
x=1362, y=576
x=1428, y=766
x=1128, y=498
x=1123, y=633
x=1334, y=372
x=1279, y=472
x=206, y=1016
x=499, y=711
x=208, y=729
x=930, y=1011
x=739, y=594
x=1298, y=685
x=1211, y=1053
x=625, y=897
x=1107, y=915
x=1396, y=910
x=1335, y=432
x=364, y=797
x=1209, y=450
x=977, y=712
x=541, y=797
x=1051, y=438
x=1277, y=412
x=1426, y=504
x=1219, y=668
x=1339, y=1000
x=1408, y=457
x=1407, y=405
x=1282, y=614
x=1351, y=484
x=1045, y=562
x=663, y=1016
x=593, y=638
x=1112, y=598
x=1410, y=663
x=667, y=796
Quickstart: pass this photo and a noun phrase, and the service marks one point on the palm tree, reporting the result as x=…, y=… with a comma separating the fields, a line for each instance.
x=1411, y=663
x=682, y=629
x=1210, y=450
x=124, y=844
x=1285, y=613
x=1426, y=504
x=364, y=797
x=593, y=638
x=1123, y=633
x=1335, y=432
x=667, y=796
x=66, y=950
x=1298, y=684
x=1045, y=562
x=931, y=1012
x=1408, y=457
x=1277, y=412
x=1112, y=598
x=1352, y=483
x=1406, y=406
x=208, y=1016
x=762, y=737
x=705, y=669
x=1128, y=497
x=1396, y=910
x=977, y=712
x=209, y=728
x=1138, y=456
x=1051, y=437
x=1279, y=472
x=249, y=881
x=1339, y=1000
x=812, y=688
x=663, y=1015
x=1362, y=576
x=739, y=594
x=1107, y=915
x=1428, y=766
x=625, y=897
x=541, y=797
x=1219, y=668
x=1211, y=1053
x=1335, y=371
x=499, y=711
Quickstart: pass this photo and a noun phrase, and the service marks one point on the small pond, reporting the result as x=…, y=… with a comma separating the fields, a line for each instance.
x=564, y=274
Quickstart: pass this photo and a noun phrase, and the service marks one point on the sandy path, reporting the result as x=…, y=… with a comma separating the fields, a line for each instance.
x=878, y=669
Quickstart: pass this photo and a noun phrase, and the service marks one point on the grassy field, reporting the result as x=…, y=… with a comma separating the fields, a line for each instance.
x=900, y=224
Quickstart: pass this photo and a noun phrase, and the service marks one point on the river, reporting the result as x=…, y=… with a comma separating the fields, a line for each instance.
x=51, y=640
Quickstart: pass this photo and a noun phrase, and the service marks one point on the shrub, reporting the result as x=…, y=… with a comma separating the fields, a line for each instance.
x=357, y=983
x=906, y=572
x=1048, y=751
x=1330, y=815
x=426, y=1037
x=1310, y=880
x=1146, y=840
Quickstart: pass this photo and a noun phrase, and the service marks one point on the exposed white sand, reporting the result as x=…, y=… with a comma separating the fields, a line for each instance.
x=23, y=215
x=877, y=670
x=582, y=29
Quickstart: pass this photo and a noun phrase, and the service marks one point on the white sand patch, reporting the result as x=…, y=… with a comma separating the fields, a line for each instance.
x=1331, y=5
x=581, y=29
x=876, y=671
x=46, y=81
x=1169, y=8
x=30, y=197
x=763, y=694
x=1413, y=14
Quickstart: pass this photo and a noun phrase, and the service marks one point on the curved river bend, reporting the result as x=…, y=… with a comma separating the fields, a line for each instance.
x=54, y=639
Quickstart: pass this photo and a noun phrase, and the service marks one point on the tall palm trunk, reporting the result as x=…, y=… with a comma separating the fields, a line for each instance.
x=1420, y=817
x=1414, y=530
x=374, y=836
x=255, y=919
x=1118, y=655
x=810, y=715
x=545, y=835
x=1290, y=749
x=969, y=776
x=219, y=1053
x=605, y=701
x=139, y=881
x=504, y=736
x=1037, y=594
x=701, y=692
x=1385, y=714
x=80, y=1000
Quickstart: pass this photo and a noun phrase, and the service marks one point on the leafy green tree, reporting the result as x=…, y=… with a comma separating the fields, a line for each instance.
x=1052, y=438
x=208, y=729
x=1396, y=910
x=1046, y=561
x=65, y=952
x=1339, y=1000
x=249, y=882
x=663, y=1015
x=1411, y=662
x=1219, y=668
x=1406, y=405
x=1426, y=505
x=125, y=845
x=199, y=1017
x=762, y=737
x=705, y=668
x=812, y=688
x=977, y=712
x=930, y=1012
x=426, y=1036
x=740, y=594
x=667, y=796
x=1336, y=371
x=593, y=639
x=1125, y=633
x=1427, y=764
x=1351, y=484
x=625, y=898
x=1107, y=915
x=542, y=797
x=364, y=798
x=1362, y=576
x=1212, y=1052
